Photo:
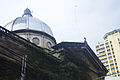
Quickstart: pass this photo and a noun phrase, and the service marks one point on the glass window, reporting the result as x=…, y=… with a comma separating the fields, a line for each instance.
x=108, y=50
x=112, y=68
x=49, y=44
x=116, y=67
x=111, y=64
x=110, y=57
x=118, y=40
x=106, y=43
x=111, y=45
x=107, y=66
x=109, y=53
x=114, y=56
x=107, y=46
x=36, y=40
x=97, y=46
x=102, y=56
x=102, y=45
x=103, y=59
x=97, y=49
x=105, y=63
x=111, y=61
x=113, y=52
x=112, y=48
x=102, y=52
x=110, y=41
x=113, y=72
x=100, y=49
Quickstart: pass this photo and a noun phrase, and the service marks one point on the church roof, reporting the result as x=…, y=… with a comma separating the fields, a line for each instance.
x=83, y=46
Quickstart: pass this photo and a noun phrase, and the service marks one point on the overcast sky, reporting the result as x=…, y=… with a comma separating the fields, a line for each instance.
x=70, y=20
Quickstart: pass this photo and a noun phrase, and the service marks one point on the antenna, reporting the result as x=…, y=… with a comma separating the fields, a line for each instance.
x=27, y=3
x=76, y=15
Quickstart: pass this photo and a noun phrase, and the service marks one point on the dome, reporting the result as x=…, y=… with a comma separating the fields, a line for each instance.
x=27, y=21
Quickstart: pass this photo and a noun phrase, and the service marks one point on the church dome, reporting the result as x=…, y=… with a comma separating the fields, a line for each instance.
x=28, y=22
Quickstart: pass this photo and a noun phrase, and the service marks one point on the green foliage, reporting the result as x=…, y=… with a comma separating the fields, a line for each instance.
x=9, y=70
x=43, y=66
x=73, y=67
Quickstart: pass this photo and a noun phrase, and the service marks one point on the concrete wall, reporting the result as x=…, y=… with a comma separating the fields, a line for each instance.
x=43, y=40
x=112, y=78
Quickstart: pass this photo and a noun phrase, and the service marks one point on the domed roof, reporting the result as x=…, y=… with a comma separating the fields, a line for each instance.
x=27, y=21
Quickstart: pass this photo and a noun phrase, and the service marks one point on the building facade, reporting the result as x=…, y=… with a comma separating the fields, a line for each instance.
x=78, y=52
x=76, y=60
x=109, y=52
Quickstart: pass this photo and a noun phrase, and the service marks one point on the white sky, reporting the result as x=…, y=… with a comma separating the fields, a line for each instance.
x=70, y=20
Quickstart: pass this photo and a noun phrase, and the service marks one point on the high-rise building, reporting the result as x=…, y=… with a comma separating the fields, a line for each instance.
x=109, y=52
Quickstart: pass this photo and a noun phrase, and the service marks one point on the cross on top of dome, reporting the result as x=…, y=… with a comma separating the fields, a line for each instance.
x=27, y=12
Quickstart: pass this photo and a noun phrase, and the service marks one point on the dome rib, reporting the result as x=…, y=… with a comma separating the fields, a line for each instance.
x=14, y=23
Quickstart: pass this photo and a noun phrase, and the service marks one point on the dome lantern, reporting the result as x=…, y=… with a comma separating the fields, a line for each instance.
x=27, y=12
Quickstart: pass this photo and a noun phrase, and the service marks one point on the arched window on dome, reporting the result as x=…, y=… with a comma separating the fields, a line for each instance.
x=49, y=45
x=36, y=40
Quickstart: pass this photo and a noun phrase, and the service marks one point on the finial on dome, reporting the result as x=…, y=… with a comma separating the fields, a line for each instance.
x=27, y=12
x=85, y=40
